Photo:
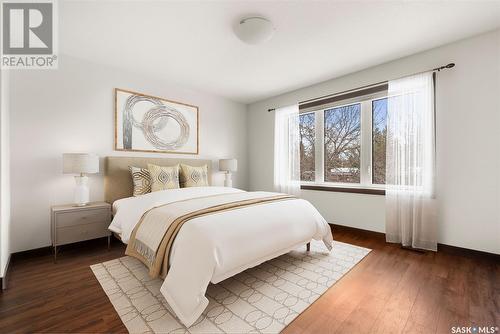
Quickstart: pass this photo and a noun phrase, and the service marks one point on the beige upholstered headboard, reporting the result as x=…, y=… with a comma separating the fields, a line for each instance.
x=117, y=179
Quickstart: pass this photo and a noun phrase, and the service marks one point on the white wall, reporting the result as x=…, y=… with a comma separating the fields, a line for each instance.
x=468, y=138
x=71, y=109
x=4, y=174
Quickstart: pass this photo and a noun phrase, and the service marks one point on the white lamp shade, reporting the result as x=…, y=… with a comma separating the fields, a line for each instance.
x=77, y=163
x=228, y=165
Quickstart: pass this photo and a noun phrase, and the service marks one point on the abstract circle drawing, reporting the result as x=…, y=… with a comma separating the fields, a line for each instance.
x=153, y=121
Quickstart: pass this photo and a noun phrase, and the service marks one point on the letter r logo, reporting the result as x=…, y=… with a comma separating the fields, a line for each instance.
x=27, y=28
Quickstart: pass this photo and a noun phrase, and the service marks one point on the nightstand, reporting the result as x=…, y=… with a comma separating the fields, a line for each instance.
x=71, y=223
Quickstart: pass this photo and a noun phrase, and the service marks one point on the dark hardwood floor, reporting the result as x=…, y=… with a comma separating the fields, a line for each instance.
x=391, y=291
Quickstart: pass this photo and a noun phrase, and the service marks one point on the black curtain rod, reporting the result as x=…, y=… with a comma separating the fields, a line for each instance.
x=437, y=69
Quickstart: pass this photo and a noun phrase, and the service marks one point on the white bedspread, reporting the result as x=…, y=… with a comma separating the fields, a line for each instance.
x=217, y=246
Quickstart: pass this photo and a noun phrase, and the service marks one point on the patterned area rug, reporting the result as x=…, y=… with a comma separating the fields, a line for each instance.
x=263, y=299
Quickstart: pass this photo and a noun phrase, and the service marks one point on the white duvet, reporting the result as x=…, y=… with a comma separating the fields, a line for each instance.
x=217, y=246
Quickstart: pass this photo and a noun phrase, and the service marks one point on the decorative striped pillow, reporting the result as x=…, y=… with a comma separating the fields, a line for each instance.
x=141, y=180
x=194, y=176
x=163, y=178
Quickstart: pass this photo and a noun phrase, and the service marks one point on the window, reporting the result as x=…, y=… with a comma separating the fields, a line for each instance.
x=379, y=134
x=343, y=141
x=343, y=144
x=307, y=131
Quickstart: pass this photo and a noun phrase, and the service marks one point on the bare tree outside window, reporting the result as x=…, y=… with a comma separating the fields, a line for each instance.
x=330, y=138
x=343, y=144
x=379, y=135
x=307, y=130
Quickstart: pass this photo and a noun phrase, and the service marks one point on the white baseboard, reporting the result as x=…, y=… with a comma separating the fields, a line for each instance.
x=3, y=279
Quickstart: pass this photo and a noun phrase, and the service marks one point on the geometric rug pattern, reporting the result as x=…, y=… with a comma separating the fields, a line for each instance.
x=263, y=299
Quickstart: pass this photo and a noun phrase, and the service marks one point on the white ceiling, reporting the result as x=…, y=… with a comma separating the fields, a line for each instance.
x=192, y=43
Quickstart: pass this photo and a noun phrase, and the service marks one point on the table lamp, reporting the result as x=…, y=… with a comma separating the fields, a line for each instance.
x=228, y=166
x=81, y=164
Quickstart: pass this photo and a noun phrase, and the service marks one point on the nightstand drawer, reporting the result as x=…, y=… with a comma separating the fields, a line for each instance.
x=70, y=234
x=73, y=218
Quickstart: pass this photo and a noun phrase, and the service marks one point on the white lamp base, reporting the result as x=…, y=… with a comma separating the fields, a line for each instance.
x=228, y=182
x=81, y=190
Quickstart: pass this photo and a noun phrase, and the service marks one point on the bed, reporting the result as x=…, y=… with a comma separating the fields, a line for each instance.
x=218, y=231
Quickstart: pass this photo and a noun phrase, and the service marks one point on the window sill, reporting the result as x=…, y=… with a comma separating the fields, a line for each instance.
x=340, y=189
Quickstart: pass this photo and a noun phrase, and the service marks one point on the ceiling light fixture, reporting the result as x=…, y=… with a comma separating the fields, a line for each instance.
x=254, y=30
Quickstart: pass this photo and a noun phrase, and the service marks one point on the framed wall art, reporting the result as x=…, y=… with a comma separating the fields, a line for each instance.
x=153, y=124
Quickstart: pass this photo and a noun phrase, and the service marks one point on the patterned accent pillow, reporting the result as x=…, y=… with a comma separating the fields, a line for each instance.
x=163, y=178
x=141, y=179
x=194, y=176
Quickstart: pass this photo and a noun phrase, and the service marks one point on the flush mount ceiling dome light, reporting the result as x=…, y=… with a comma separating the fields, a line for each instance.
x=254, y=30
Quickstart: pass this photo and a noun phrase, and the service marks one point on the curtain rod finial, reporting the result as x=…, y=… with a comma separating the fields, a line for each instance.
x=450, y=65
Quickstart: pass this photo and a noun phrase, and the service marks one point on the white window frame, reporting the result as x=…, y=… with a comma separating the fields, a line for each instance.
x=366, y=157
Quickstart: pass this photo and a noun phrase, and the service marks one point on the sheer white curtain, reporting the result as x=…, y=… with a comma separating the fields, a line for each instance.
x=286, y=150
x=410, y=163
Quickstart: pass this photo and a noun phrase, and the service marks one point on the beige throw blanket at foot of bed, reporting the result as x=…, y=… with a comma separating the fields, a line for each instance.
x=152, y=238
